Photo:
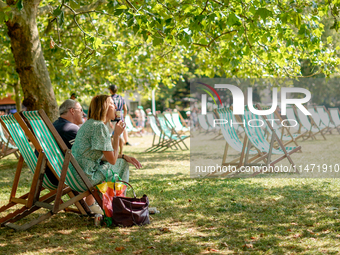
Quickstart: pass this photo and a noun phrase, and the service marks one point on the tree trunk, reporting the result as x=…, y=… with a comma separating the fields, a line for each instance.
x=17, y=97
x=29, y=60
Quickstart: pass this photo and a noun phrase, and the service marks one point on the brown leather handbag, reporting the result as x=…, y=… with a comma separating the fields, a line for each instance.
x=128, y=211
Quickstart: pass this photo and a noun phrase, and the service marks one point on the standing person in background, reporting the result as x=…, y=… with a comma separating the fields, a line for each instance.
x=120, y=104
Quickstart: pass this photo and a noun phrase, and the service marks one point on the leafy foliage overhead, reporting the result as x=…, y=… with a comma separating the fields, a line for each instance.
x=145, y=43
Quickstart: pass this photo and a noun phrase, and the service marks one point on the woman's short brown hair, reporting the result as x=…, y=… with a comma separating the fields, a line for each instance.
x=98, y=107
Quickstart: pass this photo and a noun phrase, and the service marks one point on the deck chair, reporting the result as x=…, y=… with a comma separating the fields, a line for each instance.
x=326, y=118
x=334, y=114
x=216, y=128
x=163, y=142
x=179, y=128
x=318, y=122
x=256, y=138
x=62, y=163
x=179, y=122
x=282, y=132
x=296, y=127
x=202, y=121
x=175, y=139
x=232, y=139
x=31, y=201
x=6, y=146
x=130, y=126
x=310, y=126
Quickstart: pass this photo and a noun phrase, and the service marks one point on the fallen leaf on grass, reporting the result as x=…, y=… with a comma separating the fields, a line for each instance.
x=296, y=235
x=119, y=248
x=293, y=223
x=189, y=200
x=211, y=249
x=248, y=245
x=165, y=230
x=138, y=252
x=253, y=237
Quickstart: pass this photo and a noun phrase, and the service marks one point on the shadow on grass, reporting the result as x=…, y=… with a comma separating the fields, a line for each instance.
x=275, y=216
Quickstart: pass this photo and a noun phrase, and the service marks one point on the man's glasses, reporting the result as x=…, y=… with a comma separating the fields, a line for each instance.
x=81, y=109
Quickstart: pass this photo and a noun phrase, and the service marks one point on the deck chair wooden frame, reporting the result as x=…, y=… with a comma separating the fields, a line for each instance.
x=32, y=200
x=309, y=124
x=326, y=118
x=60, y=159
x=6, y=146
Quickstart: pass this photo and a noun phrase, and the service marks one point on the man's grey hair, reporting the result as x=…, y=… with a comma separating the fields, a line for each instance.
x=68, y=104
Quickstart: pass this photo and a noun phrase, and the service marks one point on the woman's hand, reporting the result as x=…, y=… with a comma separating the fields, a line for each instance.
x=133, y=161
x=120, y=126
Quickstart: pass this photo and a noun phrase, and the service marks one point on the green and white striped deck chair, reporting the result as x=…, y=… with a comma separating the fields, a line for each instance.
x=171, y=123
x=129, y=125
x=175, y=138
x=317, y=120
x=334, y=113
x=282, y=132
x=232, y=139
x=178, y=121
x=294, y=123
x=312, y=128
x=6, y=147
x=163, y=142
x=31, y=201
x=202, y=121
x=256, y=138
x=326, y=118
x=61, y=160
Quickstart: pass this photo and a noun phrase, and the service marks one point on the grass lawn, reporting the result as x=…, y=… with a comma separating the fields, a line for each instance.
x=197, y=216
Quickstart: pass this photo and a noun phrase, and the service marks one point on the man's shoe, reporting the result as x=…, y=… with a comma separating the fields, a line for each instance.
x=127, y=143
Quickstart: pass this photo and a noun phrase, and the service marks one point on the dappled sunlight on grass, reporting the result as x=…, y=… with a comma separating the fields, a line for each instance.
x=197, y=216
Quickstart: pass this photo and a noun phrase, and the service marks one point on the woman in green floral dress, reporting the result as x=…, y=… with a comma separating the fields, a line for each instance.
x=93, y=149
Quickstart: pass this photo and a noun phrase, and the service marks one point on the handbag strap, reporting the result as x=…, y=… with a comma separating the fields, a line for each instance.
x=113, y=176
x=114, y=188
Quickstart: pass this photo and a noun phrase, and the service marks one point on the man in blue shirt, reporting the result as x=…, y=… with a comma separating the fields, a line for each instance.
x=121, y=106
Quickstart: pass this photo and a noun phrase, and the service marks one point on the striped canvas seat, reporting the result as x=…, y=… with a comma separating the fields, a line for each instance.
x=6, y=147
x=256, y=134
x=129, y=125
x=334, y=112
x=295, y=125
x=313, y=129
x=229, y=132
x=177, y=122
x=326, y=119
x=24, y=147
x=171, y=133
x=53, y=153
